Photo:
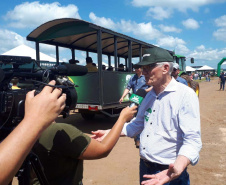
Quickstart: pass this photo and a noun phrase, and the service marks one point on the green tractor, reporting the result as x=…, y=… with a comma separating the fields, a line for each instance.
x=180, y=59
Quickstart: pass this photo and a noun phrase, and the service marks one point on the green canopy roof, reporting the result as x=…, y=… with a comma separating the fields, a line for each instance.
x=82, y=35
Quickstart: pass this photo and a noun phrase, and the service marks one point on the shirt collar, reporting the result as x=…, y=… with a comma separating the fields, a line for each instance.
x=172, y=86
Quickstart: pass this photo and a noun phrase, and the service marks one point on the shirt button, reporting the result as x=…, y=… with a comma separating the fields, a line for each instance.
x=151, y=123
x=157, y=98
x=143, y=148
x=153, y=110
x=147, y=135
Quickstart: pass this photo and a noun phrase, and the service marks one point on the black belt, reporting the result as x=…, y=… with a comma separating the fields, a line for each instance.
x=155, y=165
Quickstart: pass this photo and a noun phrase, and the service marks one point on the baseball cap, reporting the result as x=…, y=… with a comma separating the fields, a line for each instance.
x=136, y=66
x=154, y=55
x=175, y=65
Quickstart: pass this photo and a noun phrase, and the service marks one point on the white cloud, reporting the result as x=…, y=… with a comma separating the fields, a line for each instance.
x=220, y=34
x=169, y=28
x=191, y=24
x=169, y=41
x=221, y=21
x=175, y=4
x=141, y=30
x=102, y=21
x=182, y=49
x=159, y=13
x=9, y=40
x=146, y=31
x=209, y=54
x=201, y=48
x=29, y=15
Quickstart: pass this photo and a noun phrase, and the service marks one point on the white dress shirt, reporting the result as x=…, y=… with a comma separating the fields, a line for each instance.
x=169, y=124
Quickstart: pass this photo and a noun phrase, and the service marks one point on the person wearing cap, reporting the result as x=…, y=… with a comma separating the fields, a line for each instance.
x=169, y=122
x=175, y=74
x=136, y=82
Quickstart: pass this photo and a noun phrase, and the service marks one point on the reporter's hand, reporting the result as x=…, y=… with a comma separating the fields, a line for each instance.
x=99, y=135
x=45, y=107
x=128, y=113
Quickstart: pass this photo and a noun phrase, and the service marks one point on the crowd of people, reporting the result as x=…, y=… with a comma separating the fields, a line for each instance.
x=168, y=121
x=92, y=67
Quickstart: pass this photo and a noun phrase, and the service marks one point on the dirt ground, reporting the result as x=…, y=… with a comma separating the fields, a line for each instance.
x=121, y=167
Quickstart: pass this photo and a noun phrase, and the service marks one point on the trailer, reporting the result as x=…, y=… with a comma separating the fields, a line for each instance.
x=98, y=92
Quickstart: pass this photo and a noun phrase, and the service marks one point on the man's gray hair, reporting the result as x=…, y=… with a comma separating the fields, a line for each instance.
x=169, y=63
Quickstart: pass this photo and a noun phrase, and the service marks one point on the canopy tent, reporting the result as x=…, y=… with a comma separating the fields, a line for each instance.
x=24, y=50
x=189, y=68
x=205, y=68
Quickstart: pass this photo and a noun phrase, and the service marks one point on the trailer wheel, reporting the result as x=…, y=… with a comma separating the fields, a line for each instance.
x=87, y=116
x=195, y=87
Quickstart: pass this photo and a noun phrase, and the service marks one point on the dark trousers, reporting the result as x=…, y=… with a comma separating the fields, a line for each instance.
x=153, y=168
x=222, y=85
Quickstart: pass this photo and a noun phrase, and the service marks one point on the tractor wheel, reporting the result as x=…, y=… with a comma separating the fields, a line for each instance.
x=195, y=87
x=187, y=78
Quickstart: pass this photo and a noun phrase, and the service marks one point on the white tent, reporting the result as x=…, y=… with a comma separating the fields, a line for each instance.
x=24, y=50
x=205, y=68
x=189, y=68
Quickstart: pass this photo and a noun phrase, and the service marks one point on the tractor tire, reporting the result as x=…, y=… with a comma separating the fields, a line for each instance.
x=187, y=78
x=195, y=87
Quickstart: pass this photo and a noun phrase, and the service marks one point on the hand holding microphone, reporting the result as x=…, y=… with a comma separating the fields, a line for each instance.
x=136, y=99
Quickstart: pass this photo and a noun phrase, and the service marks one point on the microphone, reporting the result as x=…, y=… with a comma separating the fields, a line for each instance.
x=137, y=98
x=70, y=70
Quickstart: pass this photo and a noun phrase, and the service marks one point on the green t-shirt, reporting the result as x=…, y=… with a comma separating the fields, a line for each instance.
x=58, y=150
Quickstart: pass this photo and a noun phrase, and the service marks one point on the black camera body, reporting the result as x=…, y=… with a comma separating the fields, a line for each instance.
x=31, y=78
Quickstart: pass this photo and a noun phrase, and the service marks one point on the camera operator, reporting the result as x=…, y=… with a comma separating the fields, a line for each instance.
x=40, y=112
x=62, y=148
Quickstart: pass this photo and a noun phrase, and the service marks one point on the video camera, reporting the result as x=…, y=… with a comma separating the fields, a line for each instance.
x=32, y=77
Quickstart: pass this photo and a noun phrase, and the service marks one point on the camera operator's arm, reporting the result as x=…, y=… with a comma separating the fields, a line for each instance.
x=40, y=112
x=96, y=150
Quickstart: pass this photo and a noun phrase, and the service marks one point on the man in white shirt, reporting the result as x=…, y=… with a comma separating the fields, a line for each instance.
x=169, y=122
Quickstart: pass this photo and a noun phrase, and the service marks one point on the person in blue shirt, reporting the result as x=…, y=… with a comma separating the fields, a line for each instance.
x=136, y=82
x=222, y=81
x=175, y=74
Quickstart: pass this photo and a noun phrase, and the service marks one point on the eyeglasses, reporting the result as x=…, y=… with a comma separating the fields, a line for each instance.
x=149, y=67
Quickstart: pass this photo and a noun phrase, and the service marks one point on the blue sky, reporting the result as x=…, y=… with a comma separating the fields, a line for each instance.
x=192, y=28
